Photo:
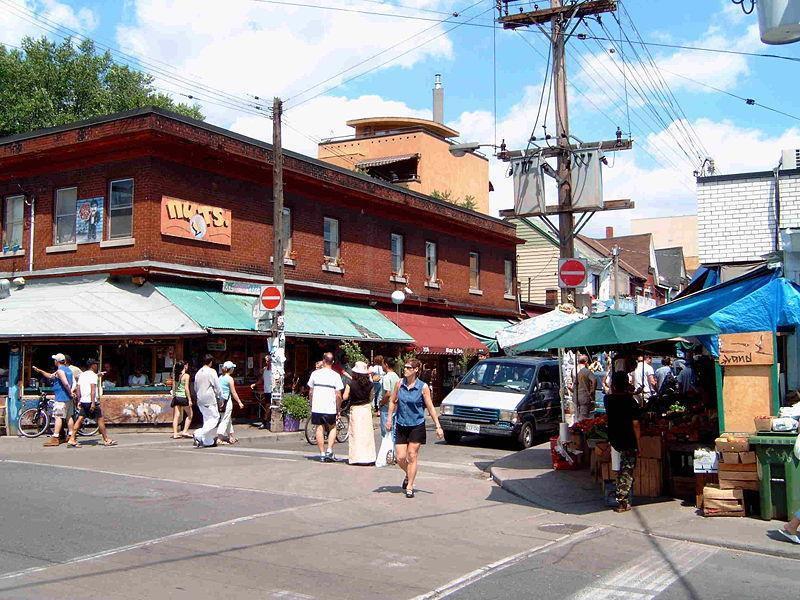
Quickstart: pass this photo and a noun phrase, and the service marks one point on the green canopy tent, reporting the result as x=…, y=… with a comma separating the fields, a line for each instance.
x=615, y=328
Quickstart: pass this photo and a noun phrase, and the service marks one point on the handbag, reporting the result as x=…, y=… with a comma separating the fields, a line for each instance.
x=221, y=403
x=386, y=450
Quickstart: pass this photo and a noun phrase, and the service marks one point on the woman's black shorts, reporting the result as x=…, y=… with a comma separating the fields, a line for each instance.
x=414, y=434
x=323, y=419
x=179, y=401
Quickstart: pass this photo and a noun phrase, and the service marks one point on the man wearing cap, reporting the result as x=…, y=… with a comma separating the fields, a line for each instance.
x=88, y=388
x=62, y=382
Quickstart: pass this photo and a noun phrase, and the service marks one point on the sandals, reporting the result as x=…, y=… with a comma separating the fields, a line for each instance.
x=176, y=437
x=73, y=444
x=110, y=443
x=405, y=483
x=792, y=537
x=409, y=493
x=186, y=435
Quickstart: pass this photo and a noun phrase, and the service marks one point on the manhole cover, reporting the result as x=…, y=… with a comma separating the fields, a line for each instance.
x=562, y=528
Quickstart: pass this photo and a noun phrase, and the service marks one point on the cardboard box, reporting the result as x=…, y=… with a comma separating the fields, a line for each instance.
x=711, y=512
x=732, y=443
x=747, y=458
x=736, y=484
x=717, y=493
x=726, y=505
x=730, y=458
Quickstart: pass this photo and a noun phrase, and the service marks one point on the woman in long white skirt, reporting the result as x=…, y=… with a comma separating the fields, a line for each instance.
x=358, y=395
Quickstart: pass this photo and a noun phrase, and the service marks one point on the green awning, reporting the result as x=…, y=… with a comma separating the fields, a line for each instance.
x=220, y=312
x=484, y=328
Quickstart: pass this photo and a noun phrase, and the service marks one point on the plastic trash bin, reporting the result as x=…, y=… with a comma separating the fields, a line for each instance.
x=780, y=474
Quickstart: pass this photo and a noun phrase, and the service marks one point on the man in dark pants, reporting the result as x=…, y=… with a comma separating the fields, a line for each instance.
x=623, y=434
x=266, y=379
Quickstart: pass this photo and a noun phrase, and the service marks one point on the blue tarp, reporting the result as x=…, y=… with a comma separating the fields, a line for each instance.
x=748, y=303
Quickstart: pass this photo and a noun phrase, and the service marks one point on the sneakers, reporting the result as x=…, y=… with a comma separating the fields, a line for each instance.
x=622, y=507
x=52, y=442
x=327, y=457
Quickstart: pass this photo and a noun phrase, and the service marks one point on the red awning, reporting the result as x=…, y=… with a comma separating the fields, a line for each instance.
x=435, y=334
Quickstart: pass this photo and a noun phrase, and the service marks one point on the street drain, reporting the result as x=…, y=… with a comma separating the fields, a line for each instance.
x=562, y=528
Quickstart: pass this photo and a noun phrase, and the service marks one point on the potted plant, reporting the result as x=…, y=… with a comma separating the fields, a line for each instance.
x=295, y=409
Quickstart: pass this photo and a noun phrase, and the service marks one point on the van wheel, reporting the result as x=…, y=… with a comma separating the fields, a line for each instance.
x=527, y=435
x=452, y=437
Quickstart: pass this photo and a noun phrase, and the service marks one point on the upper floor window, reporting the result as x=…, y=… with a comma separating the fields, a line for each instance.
x=120, y=209
x=431, y=262
x=508, y=271
x=331, y=246
x=595, y=285
x=287, y=231
x=64, y=226
x=550, y=297
x=474, y=271
x=13, y=221
x=398, y=258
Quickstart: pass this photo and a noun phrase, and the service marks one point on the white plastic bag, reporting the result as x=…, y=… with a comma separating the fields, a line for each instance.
x=784, y=424
x=386, y=451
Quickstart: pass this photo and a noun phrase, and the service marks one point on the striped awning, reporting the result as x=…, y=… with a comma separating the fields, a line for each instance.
x=386, y=160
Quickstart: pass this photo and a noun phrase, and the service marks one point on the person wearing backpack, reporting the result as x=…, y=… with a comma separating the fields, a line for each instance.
x=666, y=383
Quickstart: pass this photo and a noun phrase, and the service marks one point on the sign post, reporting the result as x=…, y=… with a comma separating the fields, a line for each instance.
x=571, y=272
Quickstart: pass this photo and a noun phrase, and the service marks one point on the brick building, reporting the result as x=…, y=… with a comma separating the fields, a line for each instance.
x=150, y=206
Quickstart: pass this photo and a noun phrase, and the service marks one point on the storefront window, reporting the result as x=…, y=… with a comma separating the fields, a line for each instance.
x=398, y=258
x=13, y=221
x=431, y=266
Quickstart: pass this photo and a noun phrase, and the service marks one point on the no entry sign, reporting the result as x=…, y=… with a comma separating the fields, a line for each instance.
x=571, y=272
x=272, y=297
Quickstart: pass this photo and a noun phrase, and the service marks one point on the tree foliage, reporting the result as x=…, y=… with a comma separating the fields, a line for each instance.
x=467, y=201
x=46, y=84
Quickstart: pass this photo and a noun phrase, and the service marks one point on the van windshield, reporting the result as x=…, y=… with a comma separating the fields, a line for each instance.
x=499, y=376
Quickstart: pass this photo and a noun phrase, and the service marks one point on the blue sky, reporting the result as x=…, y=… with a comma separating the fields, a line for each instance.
x=247, y=47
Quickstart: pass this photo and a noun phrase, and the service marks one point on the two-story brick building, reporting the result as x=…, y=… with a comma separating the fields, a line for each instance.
x=144, y=238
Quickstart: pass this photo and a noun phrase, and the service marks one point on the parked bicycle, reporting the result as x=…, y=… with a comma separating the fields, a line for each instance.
x=33, y=422
x=342, y=430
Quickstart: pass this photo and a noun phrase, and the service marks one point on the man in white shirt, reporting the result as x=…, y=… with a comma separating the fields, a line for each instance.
x=325, y=387
x=207, y=390
x=89, y=397
x=643, y=379
x=138, y=378
x=266, y=380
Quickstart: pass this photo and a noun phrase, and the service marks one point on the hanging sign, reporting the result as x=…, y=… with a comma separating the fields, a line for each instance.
x=195, y=221
x=746, y=349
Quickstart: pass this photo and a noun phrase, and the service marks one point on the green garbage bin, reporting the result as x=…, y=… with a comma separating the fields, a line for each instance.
x=780, y=474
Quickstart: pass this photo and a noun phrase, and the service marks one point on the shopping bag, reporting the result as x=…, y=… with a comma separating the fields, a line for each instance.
x=386, y=451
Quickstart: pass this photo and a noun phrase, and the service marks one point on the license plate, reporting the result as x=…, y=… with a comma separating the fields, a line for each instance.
x=472, y=428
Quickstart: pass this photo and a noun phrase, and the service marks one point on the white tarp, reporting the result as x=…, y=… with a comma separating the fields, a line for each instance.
x=534, y=327
x=91, y=305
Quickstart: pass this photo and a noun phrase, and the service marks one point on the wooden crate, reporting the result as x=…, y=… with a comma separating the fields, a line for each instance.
x=747, y=458
x=737, y=484
x=716, y=492
x=732, y=443
x=651, y=446
x=730, y=458
x=648, y=478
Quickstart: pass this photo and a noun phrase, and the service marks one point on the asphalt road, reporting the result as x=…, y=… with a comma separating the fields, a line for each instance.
x=155, y=518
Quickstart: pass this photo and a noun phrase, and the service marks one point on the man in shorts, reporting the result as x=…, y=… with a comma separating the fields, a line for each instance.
x=62, y=383
x=325, y=386
x=88, y=388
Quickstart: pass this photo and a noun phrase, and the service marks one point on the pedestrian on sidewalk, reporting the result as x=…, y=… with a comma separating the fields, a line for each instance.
x=623, y=434
x=358, y=395
x=62, y=382
x=789, y=530
x=376, y=374
x=410, y=398
x=89, y=390
x=587, y=384
x=387, y=387
x=226, y=384
x=207, y=390
x=325, y=387
x=181, y=400
x=266, y=386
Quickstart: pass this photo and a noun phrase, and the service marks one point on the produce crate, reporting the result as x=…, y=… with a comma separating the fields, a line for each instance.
x=718, y=502
x=763, y=423
x=729, y=442
x=648, y=478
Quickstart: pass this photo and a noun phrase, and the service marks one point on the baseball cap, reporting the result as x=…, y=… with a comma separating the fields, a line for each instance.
x=59, y=357
x=228, y=365
x=91, y=361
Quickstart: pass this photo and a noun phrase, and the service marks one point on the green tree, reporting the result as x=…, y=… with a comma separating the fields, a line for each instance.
x=47, y=84
x=467, y=201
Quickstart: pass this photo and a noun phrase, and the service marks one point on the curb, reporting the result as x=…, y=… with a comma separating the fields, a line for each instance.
x=706, y=541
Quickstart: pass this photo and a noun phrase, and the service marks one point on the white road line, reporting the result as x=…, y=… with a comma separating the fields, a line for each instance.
x=159, y=540
x=163, y=479
x=504, y=563
x=650, y=574
x=227, y=452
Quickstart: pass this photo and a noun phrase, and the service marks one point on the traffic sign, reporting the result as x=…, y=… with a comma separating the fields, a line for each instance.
x=571, y=272
x=272, y=297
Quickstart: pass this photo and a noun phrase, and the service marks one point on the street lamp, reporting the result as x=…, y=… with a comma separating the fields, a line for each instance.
x=462, y=149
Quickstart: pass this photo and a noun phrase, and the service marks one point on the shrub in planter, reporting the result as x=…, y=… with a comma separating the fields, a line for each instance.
x=295, y=409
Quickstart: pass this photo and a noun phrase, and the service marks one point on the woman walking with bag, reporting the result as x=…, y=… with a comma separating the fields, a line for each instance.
x=358, y=394
x=226, y=384
x=181, y=401
x=410, y=398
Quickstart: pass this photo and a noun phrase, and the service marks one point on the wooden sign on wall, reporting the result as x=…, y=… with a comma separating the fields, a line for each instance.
x=746, y=349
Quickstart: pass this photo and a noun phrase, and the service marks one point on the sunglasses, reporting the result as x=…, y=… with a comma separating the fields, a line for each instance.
x=408, y=367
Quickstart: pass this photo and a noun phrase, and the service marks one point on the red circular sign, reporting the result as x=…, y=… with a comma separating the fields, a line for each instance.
x=572, y=273
x=271, y=297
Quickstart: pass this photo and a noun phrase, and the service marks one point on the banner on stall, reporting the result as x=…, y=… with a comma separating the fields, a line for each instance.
x=746, y=349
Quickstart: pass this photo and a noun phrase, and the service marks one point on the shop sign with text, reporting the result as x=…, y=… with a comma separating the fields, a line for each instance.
x=195, y=221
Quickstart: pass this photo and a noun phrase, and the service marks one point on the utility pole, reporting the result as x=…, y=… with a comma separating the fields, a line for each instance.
x=559, y=16
x=615, y=274
x=278, y=333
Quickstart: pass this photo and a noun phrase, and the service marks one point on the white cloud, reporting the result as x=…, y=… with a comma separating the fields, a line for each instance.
x=17, y=22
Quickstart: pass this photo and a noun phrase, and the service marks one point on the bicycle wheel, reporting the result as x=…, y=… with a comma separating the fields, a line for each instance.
x=89, y=427
x=342, y=429
x=311, y=432
x=33, y=422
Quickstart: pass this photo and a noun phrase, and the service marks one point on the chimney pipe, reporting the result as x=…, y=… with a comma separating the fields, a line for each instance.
x=609, y=232
x=438, y=99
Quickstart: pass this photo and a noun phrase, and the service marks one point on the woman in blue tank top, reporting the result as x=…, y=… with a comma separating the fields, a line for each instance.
x=410, y=397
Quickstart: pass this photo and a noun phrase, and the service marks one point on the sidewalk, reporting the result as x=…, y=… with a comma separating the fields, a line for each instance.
x=529, y=475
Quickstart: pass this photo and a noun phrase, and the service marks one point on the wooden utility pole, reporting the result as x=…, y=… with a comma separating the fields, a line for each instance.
x=615, y=274
x=278, y=333
x=559, y=16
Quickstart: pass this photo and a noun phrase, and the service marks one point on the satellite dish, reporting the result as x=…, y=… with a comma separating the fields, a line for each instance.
x=779, y=21
x=398, y=297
